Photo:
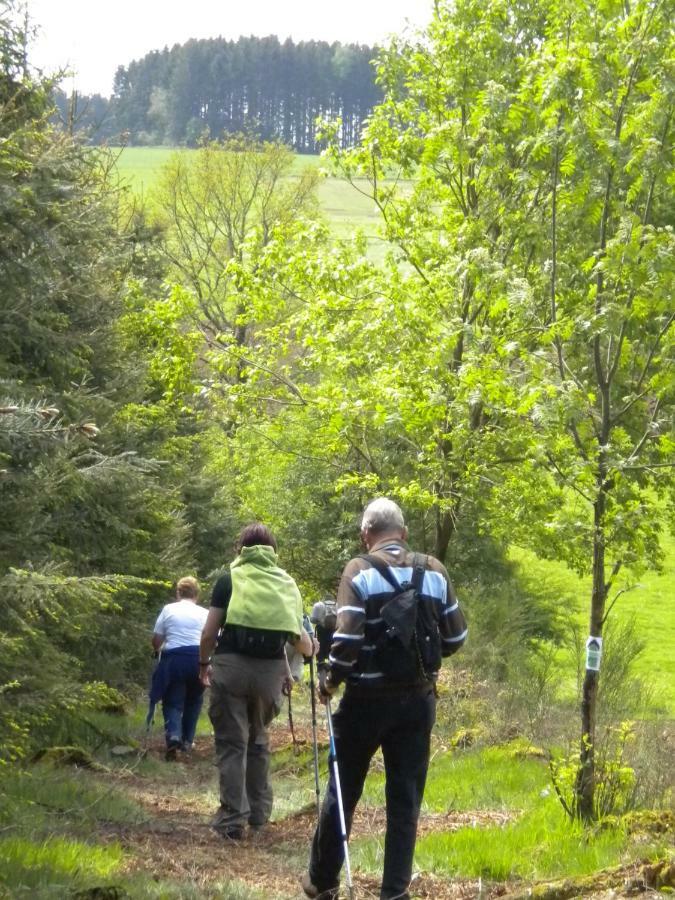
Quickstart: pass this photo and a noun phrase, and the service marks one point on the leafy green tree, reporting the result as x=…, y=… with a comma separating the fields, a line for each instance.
x=540, y=142
x=452, y=299
x=515, y=348
x=219, y=208
x=598, y=101
x=406, y=378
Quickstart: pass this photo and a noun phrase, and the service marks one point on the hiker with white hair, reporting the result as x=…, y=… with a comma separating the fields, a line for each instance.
x=397, y=617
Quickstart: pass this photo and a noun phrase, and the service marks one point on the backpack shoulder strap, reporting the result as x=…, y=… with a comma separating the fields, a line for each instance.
x=418, y=570
x=419, y=567
x=382, y=568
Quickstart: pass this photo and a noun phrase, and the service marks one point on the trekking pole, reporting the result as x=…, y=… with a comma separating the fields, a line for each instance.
x=152, y=700
x=290, y=723
x=338, y=794
x=314, y=739
x=286, y=690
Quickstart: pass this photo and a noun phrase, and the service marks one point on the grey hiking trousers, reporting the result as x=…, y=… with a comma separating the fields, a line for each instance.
x=245, y=697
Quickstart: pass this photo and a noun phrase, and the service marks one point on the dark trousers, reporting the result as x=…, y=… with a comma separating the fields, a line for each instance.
x=183, y=695
x=401, y=726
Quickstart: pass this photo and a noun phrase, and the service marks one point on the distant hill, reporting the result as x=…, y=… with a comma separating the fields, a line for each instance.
x=259, y=86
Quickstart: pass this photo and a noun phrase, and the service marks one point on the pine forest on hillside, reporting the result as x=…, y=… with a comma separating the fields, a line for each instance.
x=260, y=86
x=495, y=354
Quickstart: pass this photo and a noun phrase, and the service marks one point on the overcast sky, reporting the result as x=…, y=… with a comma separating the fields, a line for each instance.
x=93, y=37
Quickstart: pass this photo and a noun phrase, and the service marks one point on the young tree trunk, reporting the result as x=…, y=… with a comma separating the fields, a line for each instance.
x=445, y=527
x=585, y=780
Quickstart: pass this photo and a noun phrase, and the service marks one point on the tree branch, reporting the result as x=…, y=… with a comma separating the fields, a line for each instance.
x=567, y=480
x=288, y=452
x=226, y=348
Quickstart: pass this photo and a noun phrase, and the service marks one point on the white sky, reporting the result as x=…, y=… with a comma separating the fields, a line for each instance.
x=93, y=37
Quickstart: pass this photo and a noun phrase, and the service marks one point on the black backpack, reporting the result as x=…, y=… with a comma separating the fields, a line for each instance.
x=409, y=648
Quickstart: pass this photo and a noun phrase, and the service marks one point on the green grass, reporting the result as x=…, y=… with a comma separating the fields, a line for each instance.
x=50, y=819
x=460, y=781
x=47, y=819
x=57, y=867
x=651, y=605
x=140, y=166
x=492, y=779
x=52, y=868
x=648, y=603
x=43, y=798
x=536, y=843
x=541, y=844
x=342, y=205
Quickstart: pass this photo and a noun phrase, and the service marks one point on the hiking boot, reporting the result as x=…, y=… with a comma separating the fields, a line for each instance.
x=171, y=750
x=311, y=890
x=231, y=832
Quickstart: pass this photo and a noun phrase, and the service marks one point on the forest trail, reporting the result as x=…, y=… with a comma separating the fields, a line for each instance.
x=174, y=840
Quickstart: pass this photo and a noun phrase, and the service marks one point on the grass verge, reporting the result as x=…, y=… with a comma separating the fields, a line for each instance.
x=541, y=844
x=494, y=778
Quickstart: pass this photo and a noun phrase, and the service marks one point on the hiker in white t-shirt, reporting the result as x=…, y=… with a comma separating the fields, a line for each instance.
x=177, y=633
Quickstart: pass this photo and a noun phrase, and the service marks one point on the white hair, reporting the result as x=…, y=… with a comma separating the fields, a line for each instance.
x=382, y=515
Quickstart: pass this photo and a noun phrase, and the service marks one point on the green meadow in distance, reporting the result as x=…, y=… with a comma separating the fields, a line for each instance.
x=343, y=207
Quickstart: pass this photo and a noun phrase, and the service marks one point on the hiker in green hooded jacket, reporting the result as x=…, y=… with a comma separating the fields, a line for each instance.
x=255, y=609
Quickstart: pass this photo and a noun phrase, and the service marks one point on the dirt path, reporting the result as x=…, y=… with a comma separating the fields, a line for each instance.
x=191, y=851
x=176, y=842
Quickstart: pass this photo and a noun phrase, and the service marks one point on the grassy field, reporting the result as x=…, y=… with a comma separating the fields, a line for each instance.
x=649, y=603
x=507, y=822
x=343, y=206
x=137, y=827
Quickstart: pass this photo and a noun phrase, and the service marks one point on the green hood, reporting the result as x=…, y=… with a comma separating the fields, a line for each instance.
x=263, y=594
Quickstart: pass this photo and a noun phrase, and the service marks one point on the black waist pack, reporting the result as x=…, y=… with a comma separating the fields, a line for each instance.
x=260, y=643
x=409, y=648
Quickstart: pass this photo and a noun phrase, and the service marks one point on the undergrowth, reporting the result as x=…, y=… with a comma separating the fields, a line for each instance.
x=534, y=841
x=492, y=778
x=55, y=866
x=45, y=800
x=53, y=824
x=540, y=844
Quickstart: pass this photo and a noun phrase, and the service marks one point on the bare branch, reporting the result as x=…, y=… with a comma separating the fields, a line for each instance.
x=611, y=605
x=227, y=348
x=568, y=481
x=289, y=452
